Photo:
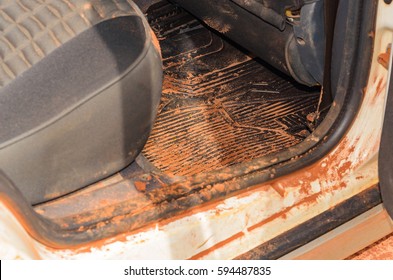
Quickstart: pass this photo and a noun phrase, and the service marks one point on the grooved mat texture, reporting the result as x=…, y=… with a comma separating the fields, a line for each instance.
x=219, y=106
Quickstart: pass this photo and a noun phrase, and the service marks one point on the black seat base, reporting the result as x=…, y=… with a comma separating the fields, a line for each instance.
x=83, y=112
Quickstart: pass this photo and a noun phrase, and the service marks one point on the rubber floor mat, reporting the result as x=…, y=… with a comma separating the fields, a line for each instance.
x=219, y=106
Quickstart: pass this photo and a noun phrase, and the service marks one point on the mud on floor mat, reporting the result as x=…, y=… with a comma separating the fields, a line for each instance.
x=219, y=106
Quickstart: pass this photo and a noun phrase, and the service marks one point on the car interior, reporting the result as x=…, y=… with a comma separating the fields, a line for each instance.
x=116, y=113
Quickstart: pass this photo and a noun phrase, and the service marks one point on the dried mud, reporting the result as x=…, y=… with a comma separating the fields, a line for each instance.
x=219, y=106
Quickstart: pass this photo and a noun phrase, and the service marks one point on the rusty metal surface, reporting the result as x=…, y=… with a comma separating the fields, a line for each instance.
x=219, y=106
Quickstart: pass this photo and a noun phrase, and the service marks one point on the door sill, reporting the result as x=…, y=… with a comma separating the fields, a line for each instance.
x=348, y=238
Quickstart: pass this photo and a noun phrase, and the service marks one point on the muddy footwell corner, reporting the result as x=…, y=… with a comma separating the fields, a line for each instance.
x=219, y=105
x=223, y=118
x=242, y=160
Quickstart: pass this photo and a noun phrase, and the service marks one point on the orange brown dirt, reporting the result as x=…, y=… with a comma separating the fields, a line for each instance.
x=219, y=106
x=380, y=250
x=233, y=111
x=383, y=58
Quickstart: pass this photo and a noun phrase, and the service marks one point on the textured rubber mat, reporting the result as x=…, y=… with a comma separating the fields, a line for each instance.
x=219, y=106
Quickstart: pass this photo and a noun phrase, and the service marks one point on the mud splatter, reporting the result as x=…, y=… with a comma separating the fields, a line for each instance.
x=219, y=107
x=216, y=24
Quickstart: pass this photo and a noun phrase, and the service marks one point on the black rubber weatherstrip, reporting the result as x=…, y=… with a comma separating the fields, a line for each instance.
x=385, y=161
x=330, y=11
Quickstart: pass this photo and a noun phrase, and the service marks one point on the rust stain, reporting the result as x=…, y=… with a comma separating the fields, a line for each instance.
x=217, y=246
x=379, y=88
x=279, y=189
x=344, y=168
x=384, y=58
x=281, y=214
x=140, y=186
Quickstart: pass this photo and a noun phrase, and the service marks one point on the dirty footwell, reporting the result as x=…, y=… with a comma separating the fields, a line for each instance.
x=219, y=105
